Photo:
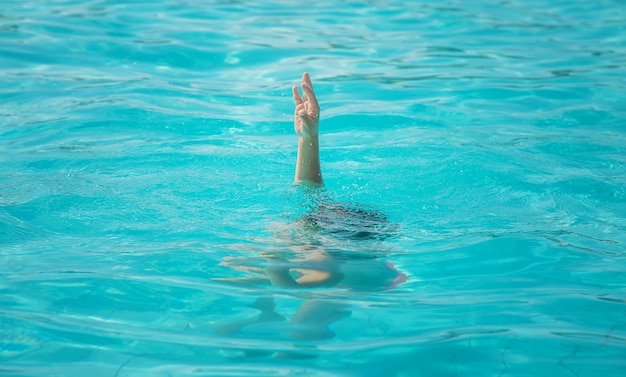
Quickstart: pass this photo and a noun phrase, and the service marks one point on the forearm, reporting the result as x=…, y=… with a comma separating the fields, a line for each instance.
x=308, y=167
x=280, y=277
x=293, y=275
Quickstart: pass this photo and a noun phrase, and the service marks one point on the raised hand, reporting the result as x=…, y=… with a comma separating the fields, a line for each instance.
x=307, y=114
x=306, y=120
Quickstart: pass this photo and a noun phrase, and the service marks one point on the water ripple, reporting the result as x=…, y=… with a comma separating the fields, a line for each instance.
x=146, y=152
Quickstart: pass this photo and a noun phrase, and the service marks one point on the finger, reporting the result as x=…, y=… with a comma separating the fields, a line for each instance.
x=296, y=95
x=300, y=109
x=309, y=94
x=306, y=79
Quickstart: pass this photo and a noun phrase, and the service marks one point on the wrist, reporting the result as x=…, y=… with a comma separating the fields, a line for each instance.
x=314, y=138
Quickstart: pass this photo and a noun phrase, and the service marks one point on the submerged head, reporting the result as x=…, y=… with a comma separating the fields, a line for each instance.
x=349, y=222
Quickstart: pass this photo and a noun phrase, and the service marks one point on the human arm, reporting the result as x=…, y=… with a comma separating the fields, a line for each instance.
x=306, y=125
x=316, y=269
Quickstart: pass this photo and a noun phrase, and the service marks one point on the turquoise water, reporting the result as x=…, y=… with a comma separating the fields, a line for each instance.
x=147, y=157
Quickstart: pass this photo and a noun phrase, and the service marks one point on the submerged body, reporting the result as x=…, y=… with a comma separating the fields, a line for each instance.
x=331, y=246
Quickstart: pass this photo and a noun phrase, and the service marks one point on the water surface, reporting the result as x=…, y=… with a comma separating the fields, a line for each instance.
x=146, y=150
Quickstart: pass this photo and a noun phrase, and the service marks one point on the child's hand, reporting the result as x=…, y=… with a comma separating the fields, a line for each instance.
x=307, y=114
